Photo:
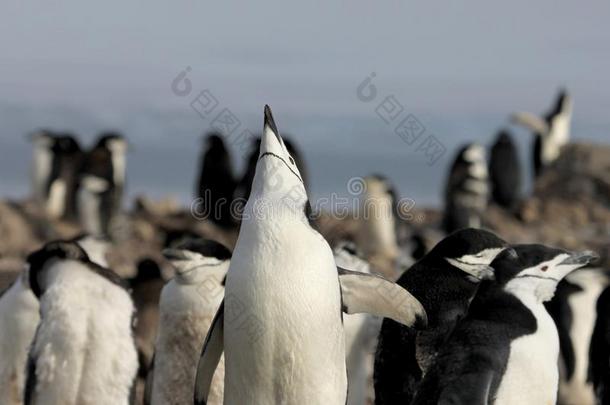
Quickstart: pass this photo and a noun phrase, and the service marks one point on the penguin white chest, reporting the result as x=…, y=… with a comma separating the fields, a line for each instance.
x=531, y=375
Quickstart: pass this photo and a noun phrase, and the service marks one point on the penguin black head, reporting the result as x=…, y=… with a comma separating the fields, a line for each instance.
x=562, y=104
x=48, y=255
x=538, y=268
x=195, y=253
x=471, y=251
x=214, y=141
x=66, y=144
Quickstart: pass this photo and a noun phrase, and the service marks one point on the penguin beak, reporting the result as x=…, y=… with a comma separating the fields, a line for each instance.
x=271, y=142
x=580, y=258
x=175, y=255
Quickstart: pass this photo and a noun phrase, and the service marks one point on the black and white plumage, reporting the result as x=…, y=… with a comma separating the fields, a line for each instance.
x=505, y=350
x=599, y=366
x=42, y=163
x=551, y=131
x=19, y=317
x=216, y=183
x=187, y=306
x=280, y=325
x=83, y=351
x=62, y=182
x=102, y=183
x=505, y=172
x=573, y=308
x=467, y=189
x=444, y=281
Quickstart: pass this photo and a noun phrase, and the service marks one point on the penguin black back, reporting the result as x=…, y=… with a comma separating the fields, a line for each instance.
x=216, y=183
x=599, y=353
x=505, y=171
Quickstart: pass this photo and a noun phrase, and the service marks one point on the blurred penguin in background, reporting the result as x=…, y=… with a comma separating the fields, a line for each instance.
x=102, y=183
x=378, y=214
x=188, y=304
x=63, y=180
x=83, y=351
x=551, y=132
x=467, y=190
x=42, y=163
x=505, y=172
x=216, y=184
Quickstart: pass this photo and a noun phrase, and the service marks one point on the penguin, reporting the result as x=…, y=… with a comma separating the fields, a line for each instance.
x=360, y=332
x=187, y=306
x=299, y=160
x=505, y=172
x=101, y=184
x=573, y=308
x=467, y=189
x=42, y=163
x=551, y=132
x=19, y=317
x=62, y=183
x=216, y=183
x=444, y=281
x=379, y=224
x=599, y=366
x=83, y=351
x=280, y=324
x=505, y=350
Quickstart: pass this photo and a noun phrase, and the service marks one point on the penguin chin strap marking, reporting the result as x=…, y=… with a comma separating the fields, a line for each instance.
x=539, y=277
x=282, y=159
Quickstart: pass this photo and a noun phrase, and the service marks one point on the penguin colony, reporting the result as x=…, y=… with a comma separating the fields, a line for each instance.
x=283, y=318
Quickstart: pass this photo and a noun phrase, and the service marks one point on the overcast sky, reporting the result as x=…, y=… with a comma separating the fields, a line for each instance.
x=308, y=57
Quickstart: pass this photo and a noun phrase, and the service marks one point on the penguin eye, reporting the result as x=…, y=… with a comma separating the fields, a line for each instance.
x=544, y=268
x=291, y=160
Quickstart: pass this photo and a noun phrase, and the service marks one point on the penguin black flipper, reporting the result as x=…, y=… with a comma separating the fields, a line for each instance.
x=30, y=381
x=372, y=294
x=148, y=387
x=210, y=356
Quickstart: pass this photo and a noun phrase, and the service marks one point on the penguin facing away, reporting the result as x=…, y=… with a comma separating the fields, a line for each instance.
x=42, y=162
x=187, y=306
x=444, y=281
x=19, y=318
x=505, y=350
x=551, y=132
x=280, y=324
x=62, y=182
x=83, y=351
x=573, y=309
x=467, y=189
x=216, y=183
x=505, y=172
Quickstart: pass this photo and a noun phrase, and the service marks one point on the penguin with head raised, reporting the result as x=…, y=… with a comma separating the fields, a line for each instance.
x=62, y=183
x=573, y=308
x=444, y=281
x=187, y=306
x=505, y=350
x=467, y=189
x=551, y=132
x=83, y=350
x=505, y=172
x=19, y=317
x=216, y=184
x=102, y=183
x=280, y=324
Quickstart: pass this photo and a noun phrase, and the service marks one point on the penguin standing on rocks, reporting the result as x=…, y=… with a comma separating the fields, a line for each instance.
x=505, y=350
x=216, y=184
x=573, y=308
x=102, y=183
x=280, y=324
x=187, y=306
x=63, y=180
x=19, y=317
x=83, y=351
x=42, y=163
x=505, y=172
x=444, y=281
x=467, y=190
x=552, y=132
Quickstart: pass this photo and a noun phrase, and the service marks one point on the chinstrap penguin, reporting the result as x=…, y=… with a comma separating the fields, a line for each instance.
x=467, y=189
x=187, y=306
x=599, y=355
x=62, y=182
x=280, y=324
x=505, y=350
x=505, y=172
x=83, y=351
x=444, y=281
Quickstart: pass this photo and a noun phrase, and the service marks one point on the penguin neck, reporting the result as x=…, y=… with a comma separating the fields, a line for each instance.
x=531, y=291
x=198, y=272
